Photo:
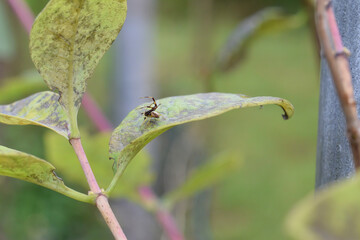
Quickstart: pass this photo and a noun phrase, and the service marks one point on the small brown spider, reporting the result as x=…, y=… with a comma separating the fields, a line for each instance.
x=151, y=113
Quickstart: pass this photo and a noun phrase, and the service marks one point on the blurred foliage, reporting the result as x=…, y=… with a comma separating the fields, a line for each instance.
x=209, y=173
x=178, y=8
x=7, y=39
x=16, y=88
x=266, y=21
x=333, y=213
x=36, y=5
x=30, y=212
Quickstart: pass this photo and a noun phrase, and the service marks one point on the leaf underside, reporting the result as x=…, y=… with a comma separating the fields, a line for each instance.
x=35, y=170
x=134, y=132
x=333, y=213
x=42, y=109
x=67, y=41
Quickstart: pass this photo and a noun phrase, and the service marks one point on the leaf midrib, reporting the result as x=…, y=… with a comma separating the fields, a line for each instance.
x=71, y=74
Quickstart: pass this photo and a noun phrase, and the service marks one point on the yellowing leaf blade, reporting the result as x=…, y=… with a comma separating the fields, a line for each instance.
x=42, y=109
x=67, y=41
x=35, y=170
x=134, y=133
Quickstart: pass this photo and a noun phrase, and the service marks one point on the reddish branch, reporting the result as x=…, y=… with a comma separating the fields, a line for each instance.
x=162, y=214
x=337, y=58
x=101, y=201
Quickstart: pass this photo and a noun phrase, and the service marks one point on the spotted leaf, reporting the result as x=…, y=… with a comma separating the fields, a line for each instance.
x=67, y=41
x=41, y=109
x=35, y=170
x=134, y=132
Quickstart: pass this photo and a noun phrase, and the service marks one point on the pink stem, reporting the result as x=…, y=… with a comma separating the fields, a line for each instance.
x=162, y=214
x=102, y=204
x=338, y=62
x=76, y=144
x=23, y=13
x=101, y=201
x=95, y=114
x=334, y=30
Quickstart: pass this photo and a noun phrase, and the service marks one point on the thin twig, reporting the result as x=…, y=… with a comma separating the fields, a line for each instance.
x=337, y=58
x=101, y=201
x=23, y=13
x=78, y=148
x=162, y=214
x=95, y=114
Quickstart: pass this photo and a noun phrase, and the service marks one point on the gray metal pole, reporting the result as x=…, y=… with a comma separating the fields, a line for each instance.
x=334, y=157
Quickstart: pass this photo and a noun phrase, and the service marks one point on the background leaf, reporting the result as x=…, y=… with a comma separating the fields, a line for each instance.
x=203, y=177
x=333, y=213
x=268, y=20
x=35, y=170
x=41, y=109
x=62, y=155
x=134, y=133
x=22, y=86
x=67, y=41
x=7, y=41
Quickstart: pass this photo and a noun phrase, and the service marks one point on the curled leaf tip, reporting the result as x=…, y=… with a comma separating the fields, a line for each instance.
x=285, y=116
x=133, y=134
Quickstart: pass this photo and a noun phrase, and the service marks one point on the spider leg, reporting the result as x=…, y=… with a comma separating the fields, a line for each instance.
x=154, y=102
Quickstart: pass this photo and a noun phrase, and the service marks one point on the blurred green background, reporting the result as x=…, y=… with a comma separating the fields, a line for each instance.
x=278, y=157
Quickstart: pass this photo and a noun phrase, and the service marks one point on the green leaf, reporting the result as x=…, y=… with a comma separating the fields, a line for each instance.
x=35, y=170
x=67, y=41
x=333, y=213
x=134, y=132
x=41, y=109
x=203, y=177
x=15, y=88
x=268, y=20
x=60, y=153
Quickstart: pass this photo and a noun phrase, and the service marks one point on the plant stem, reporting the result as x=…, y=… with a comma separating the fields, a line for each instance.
x=95, y=114
x=162, y=214
x=101, y=201
x=23, y=13
x=78, y=148
x=102, y=204
x=337, y=59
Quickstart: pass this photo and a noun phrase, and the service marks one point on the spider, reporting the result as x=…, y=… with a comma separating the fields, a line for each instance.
x=151, y=112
